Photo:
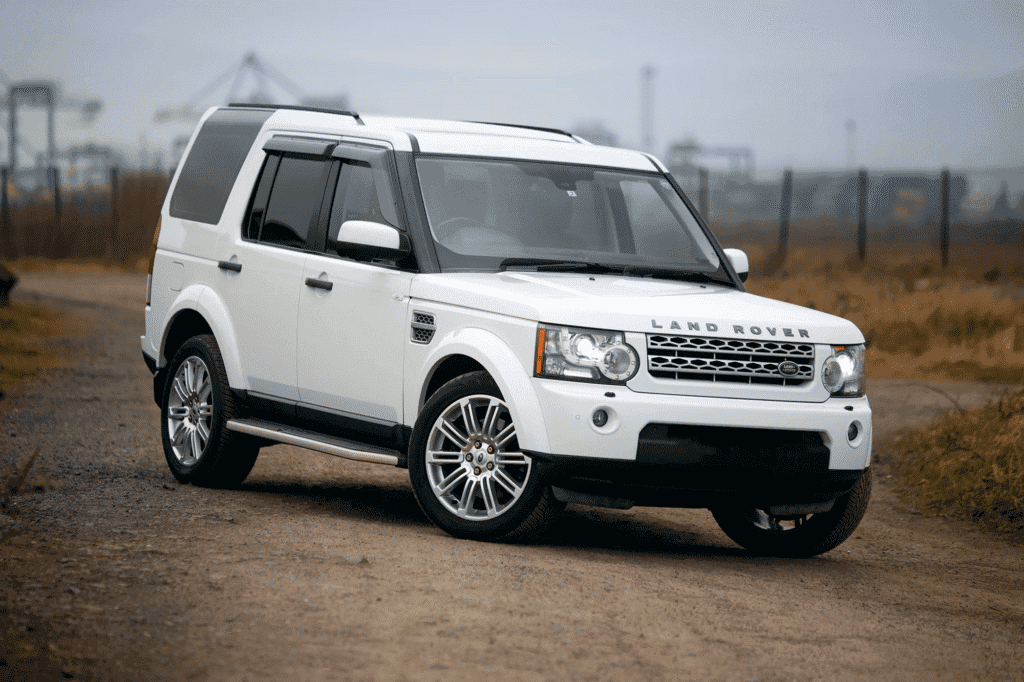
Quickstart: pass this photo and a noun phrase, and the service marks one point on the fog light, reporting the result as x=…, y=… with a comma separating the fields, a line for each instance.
x=852, y=432
x=600, y=418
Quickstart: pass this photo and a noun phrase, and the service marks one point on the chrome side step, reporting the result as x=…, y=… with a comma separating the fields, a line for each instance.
x=312, y=440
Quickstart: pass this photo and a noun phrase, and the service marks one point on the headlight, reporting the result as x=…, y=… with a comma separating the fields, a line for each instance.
x=843, y=373
x=584, y=354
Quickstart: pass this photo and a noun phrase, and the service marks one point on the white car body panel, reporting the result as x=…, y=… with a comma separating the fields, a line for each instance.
x=571, y=404
x=351, y=338
x=493, y=340
x=635, y=304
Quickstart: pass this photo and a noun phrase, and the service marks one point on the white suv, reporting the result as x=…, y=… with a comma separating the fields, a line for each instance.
x=519, y=317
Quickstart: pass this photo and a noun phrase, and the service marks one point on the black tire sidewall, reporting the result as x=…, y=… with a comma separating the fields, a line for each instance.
x=477, y=383
x=821, y=533
x=205, y=348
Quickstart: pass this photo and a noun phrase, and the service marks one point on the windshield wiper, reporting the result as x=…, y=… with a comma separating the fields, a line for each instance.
x=668, y=273
x=556, y=265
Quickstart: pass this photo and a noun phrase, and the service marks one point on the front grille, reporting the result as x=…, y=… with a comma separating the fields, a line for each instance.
x=422, y=327
x=700, y=358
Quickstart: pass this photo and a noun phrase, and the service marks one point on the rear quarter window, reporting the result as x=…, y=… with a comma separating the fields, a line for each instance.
x=217, y=155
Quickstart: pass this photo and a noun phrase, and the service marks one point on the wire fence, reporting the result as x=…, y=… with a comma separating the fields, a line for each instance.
x=112, y=222
x=862, y=210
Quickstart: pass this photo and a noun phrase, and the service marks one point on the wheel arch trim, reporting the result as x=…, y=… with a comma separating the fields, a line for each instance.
x=200, y=299
x=504, y=367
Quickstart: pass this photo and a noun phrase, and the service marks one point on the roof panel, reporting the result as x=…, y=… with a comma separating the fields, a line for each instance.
x=531, y=149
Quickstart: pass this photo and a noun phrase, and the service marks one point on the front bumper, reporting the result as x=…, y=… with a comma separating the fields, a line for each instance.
x=569, y=406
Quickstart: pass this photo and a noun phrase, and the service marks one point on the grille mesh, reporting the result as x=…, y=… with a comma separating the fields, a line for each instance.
x=422, y=327
x=701, y=358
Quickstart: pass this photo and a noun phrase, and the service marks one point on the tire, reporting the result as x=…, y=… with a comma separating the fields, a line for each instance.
x=498, y=493
x=799, y=537
x=196, y=405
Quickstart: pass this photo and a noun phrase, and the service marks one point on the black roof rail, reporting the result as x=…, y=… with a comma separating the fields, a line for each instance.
x=542, y=129
x=300, y=107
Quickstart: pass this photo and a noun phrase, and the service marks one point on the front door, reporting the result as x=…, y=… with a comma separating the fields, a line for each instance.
x=353, y=314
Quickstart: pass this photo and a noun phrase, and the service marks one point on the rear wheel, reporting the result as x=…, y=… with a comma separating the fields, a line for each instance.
x=467, y=470
x=798, y=535
x=196, y=406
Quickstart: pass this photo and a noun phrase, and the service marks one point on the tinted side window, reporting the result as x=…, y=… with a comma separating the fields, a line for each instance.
x=258, y=206
x=355, y=198
x=212, y=165
x=294, y=201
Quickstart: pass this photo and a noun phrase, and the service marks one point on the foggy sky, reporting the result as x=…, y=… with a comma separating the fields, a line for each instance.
x=928, y=83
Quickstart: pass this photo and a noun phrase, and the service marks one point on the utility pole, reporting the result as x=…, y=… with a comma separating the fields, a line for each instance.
x=944, y=220
x=647, y=108
x=851, y=143
x=784, y=208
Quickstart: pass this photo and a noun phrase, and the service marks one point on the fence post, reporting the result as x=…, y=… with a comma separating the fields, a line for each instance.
x=784, y=206
x=702, y=194
x=944, y=220
x=5, y=211
x=114, y=189
x=58, y=210
x=862, y=215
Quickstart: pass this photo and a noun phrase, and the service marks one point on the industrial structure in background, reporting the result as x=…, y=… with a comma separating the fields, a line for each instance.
x=722, y=179
x=28, y=170
x=29, y=167
x=252, y=72
x=735, y=195
x=899, y=200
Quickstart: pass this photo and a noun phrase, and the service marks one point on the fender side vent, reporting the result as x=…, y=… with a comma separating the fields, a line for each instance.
x=422, y=327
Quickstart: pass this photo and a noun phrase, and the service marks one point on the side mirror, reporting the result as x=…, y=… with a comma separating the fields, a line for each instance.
x=366, y=238
x=740, y=262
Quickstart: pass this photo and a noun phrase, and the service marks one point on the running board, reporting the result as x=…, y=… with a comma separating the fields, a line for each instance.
x=311, y=440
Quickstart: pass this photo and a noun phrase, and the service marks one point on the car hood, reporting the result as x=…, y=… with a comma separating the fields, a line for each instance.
x=634, y=304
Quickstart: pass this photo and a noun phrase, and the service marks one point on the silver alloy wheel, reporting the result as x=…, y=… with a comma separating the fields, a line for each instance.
x=189, y=410
x=474, y=466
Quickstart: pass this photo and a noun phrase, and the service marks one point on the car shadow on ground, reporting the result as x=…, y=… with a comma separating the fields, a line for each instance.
x=639, y=533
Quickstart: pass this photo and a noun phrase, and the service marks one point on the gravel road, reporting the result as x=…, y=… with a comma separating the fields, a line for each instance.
x=323, y=569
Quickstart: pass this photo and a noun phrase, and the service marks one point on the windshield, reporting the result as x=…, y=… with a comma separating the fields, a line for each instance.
x=485, y=213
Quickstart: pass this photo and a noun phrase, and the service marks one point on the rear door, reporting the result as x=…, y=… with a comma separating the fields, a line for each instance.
x=263, y=277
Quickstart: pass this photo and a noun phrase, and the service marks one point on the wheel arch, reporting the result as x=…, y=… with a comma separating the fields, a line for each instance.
x=185, y=324
x=451, y=367
x=472, y=350
x=202, y=312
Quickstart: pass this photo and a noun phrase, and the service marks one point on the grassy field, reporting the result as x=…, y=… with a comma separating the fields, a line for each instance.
x=24, y=352
x=920, y=322
x=970, y=465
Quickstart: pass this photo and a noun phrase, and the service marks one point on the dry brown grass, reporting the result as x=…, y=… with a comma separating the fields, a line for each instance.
x=24, y=331
x=137, y=265
x=970, y=466
x=920, y=322
x=87, y=230
x=986, y=253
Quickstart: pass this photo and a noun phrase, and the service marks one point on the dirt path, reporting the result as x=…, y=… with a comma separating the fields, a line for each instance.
x=321, y=569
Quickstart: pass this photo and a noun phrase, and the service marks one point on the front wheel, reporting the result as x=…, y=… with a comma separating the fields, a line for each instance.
x=798, y=536
x=466, y=468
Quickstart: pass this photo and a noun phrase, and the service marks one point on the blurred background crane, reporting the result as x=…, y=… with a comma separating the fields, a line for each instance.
x=48, y=95
x=253, y=75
